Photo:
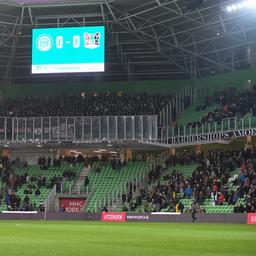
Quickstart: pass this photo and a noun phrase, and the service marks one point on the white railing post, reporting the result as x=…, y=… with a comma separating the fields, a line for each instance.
x=50, y=198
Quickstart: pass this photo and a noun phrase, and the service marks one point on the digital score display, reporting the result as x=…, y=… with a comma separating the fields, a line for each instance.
x=68, y=50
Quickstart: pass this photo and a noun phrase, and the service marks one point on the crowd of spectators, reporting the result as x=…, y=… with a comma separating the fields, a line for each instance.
x=184, y=158
x=12, y=181
x=85, y=105
x=117, y=164
x=212, y=180
x=228, y=103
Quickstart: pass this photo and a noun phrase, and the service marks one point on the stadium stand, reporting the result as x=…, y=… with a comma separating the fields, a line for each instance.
x=25, y=188
x=229, y=103
x=85, y=105
x=212, y=182
x=193, y=115
x=218, y=183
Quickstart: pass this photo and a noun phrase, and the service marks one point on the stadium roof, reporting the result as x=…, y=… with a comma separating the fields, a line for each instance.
x=146, y=39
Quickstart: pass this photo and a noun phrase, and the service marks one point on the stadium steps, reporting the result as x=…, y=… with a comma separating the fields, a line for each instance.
x=79, y=183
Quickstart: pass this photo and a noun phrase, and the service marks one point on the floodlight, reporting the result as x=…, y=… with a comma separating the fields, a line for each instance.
x=229, y=9
x=234, y=8
x=241, y=5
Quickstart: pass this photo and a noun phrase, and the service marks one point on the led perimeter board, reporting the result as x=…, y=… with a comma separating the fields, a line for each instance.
x=68, y=50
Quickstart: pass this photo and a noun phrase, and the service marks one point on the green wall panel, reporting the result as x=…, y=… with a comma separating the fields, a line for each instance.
x=209, y=84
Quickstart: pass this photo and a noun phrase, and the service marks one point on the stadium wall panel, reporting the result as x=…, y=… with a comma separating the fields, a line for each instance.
x=186, y=218
x=51, y=216
x=131, y=217
x=210, y=84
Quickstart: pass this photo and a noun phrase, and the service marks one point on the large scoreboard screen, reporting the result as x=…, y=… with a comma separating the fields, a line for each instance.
x=68, y=50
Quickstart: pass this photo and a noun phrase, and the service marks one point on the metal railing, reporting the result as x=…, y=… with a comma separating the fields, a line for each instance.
x=68, y=189
x=212, y=131
x=182, y=100
x=78, y=129
x=49, y=201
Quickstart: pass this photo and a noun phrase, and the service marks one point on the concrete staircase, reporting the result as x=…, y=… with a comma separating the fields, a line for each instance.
x=80, y=181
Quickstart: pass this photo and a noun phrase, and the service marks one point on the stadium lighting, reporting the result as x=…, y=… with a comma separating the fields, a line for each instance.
x=229, y=9
x=234, y=7
x=241, y=5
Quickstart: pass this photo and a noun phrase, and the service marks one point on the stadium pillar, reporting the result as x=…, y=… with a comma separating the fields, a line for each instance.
x=57, y=153
x=248, y=142
x=6, y=152
x=128, y=155
x=172, y=151
x=198, y=149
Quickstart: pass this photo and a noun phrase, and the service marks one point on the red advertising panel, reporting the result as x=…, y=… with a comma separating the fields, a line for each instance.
x=113, y=216
x=72, y=204
x=251, y=218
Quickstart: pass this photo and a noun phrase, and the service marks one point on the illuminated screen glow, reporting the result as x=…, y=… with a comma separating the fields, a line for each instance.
x=44, y=1
x=68, y=50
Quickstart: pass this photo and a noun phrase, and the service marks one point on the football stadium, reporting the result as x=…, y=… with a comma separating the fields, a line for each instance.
x=127, y=127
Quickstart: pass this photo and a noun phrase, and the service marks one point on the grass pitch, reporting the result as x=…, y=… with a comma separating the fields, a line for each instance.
x=23, y=238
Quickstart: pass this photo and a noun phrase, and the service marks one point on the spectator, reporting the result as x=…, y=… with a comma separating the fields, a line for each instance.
x=104, y=209
x=26, y=199
x=86, y=182
x=188, y=192
x=221, y=199
x=37, y=193
x=41, y=207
